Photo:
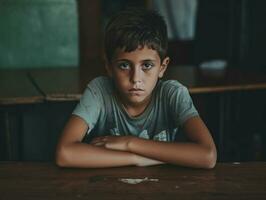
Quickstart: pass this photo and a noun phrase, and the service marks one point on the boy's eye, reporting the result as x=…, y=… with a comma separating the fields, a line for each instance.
x=147, y=66
x=124, y=65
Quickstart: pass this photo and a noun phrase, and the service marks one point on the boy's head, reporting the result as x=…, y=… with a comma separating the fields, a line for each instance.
x=135, y=46
x=134, y=28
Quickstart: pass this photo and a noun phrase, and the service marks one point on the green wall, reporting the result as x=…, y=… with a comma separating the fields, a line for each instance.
x=38, y=33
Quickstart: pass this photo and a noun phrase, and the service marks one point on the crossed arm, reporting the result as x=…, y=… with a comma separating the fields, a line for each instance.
x=113, y=151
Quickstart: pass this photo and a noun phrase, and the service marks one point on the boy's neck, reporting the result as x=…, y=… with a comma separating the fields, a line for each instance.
x=134, y=110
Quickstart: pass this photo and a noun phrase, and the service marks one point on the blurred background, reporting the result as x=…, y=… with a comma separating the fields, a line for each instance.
x=50, y=49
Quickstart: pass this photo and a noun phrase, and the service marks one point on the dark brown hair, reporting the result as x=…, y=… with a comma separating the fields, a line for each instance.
x=133, y=28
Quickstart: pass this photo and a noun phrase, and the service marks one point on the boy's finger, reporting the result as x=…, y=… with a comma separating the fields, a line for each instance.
x=98, y=139
x=98, y=144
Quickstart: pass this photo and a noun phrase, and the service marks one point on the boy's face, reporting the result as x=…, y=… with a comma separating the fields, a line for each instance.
x=136, y=74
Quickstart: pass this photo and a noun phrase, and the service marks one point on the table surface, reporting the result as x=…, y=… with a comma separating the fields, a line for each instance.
x=210, y=81
x=25, y=180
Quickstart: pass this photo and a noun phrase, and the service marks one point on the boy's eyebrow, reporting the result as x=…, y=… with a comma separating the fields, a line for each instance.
x=145, y=60
x=120, y=60
x=153, y=60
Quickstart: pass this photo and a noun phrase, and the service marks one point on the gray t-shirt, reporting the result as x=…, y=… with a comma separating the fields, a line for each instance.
x=170, y=107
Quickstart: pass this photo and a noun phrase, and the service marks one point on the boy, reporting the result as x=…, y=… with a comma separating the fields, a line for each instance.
x=132, y=117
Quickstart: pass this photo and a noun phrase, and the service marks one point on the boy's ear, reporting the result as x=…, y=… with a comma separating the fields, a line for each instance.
x=164, y=66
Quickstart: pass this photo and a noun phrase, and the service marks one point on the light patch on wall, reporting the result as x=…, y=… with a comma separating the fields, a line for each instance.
x=38, y=33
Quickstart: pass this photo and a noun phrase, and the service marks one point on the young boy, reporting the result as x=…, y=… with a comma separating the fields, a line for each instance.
x=132, y=117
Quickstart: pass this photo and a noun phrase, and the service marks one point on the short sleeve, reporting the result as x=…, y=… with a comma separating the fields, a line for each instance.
x=89, y=106
x=181, y=104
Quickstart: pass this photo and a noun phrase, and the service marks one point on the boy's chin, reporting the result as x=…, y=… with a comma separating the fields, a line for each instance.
x=136, y=100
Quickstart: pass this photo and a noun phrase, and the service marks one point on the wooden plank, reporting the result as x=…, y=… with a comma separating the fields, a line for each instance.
x=16, y=88
x=58, y=84
x=46, y=181
x=213, y=81
x=68, y=84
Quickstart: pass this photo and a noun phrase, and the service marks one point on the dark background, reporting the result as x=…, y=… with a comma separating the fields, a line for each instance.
x=68, y=33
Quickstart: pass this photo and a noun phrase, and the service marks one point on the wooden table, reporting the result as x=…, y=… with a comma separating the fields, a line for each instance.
x=201, y=81
x=58, y=84
x=65, y=84
x=69, y=84
x=16, y=88
x=46, y=181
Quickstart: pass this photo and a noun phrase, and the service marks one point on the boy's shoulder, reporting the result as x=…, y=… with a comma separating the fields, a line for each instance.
x=100, y=82
x=173, y=93
x=166, y=85
x=101, y=86
x=169, y=89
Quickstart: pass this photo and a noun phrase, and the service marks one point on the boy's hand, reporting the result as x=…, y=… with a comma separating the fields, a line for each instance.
x=113, y=142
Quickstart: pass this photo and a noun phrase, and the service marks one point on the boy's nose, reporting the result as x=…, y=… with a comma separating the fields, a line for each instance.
x=136, y=75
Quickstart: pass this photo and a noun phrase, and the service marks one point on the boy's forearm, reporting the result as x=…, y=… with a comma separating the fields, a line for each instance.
x=193, y=154
x=88, y=156
x=142, y=161
x=186, y=154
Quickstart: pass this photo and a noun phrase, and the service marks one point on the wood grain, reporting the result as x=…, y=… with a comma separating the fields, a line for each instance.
x=46, y=181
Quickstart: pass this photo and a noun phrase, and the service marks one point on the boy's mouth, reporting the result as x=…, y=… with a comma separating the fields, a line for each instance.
x=135, y=90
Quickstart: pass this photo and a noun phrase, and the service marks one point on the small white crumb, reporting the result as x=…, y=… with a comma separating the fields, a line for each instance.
x=177, y=187
x=137, y=180
x=236, y=163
